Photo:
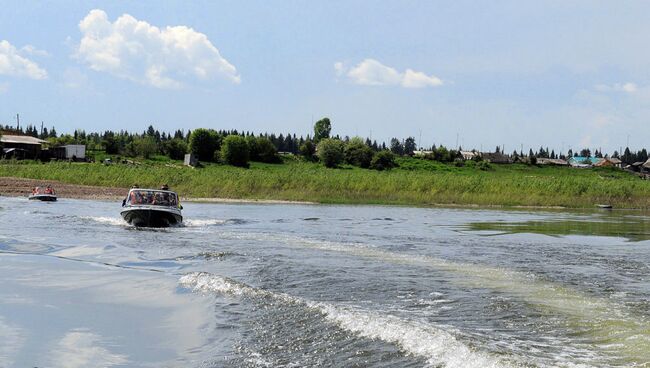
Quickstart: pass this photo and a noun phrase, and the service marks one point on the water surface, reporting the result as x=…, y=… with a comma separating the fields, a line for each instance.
x=333, y=286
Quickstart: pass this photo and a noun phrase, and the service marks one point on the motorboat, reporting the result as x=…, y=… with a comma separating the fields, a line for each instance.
x=46, y=194
x=151, y=208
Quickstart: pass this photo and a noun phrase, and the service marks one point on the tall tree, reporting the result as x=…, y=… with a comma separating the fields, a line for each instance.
x=322, y=129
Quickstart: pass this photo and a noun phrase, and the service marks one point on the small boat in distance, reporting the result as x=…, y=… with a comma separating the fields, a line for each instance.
x=46, y=195
x=152, y=208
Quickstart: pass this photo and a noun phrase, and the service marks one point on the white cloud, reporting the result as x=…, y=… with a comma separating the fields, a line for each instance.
x=371, y=72
x=80, y=348
x=628, y=87
x=138, y=51
x=12, y=63
x=31, y=50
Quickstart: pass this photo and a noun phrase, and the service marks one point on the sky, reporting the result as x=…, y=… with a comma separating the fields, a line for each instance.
x=519, y=74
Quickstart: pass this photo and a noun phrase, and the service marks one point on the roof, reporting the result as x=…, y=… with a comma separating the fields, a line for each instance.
x=614, y=160
x=551, y=161
x=582, y=160
x=647, y=164
x=21, y=139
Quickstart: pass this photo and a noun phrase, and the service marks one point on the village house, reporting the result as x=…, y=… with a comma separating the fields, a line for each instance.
x=609, y=162
x=583, y=162
x=468, y=155
x=496, y=157
x=552, y=161
x=21, y=146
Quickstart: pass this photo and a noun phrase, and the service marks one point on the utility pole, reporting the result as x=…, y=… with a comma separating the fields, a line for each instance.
x=18, y=123
x=456, y=140
x=420, y=140
x=41, y=128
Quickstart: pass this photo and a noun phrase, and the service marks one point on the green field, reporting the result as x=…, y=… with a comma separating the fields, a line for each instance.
x=416, y=182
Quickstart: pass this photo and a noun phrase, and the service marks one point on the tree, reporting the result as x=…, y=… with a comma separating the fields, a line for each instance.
x=145, y=146
x=235, y=151
x=396, y=146
x=383, y=160
x=203, y=143
x=322, y=129
x=330, y=152
x=307, y=150
x=262, y=149
x=175, y=148
x=111, y=145
x=409, y=146
x=357, y=153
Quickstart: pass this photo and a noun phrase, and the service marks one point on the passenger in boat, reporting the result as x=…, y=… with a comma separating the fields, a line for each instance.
x=164, y=187
x=49, y=190
x=35, y=190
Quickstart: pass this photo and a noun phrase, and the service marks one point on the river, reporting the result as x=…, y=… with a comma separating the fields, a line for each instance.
x=257, y=285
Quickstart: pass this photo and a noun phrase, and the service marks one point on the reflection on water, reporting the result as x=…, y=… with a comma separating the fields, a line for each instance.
x=633, y=228
x=322, y=286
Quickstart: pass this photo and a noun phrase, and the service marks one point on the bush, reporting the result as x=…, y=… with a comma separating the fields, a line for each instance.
x=145, y=147
x=175, y=148
x=203, y=143
x=262, y=150
x=235, y=151
x=307, y=150
x=484, y=165
x=383, y=160
x=357, y=153
x=330, y=152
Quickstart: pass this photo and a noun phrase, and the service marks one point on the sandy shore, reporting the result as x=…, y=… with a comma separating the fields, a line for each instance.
x=20, y=187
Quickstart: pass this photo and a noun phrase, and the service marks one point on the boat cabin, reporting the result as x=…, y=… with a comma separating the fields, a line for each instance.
x=151, y=197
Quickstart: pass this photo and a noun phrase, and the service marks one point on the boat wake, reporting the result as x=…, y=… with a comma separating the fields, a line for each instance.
x=438, y=346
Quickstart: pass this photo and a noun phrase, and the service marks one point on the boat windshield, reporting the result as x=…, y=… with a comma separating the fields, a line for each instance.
x=152, y=197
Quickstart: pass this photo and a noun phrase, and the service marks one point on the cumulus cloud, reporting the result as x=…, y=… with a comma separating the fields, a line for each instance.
x=161, y=57
x=628, y=87
x=371, y=72
x=13, y=63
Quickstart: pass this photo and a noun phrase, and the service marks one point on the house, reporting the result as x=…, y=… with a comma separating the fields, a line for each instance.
x=645, y=168
x=422, y=153
x=468, y=155
x=21, y=146
x=496, y=157
x=583, y=162
x=552, y=161
x=609, y=162
x=70, y=152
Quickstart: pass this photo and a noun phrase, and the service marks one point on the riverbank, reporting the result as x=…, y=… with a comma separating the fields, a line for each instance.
x=415, y=183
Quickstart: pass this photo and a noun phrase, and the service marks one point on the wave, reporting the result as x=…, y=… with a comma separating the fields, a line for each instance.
x=421, y=339
x=202, y=222
x=613, y=328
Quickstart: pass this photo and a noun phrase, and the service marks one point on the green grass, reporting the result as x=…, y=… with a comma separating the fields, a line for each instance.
x=415, y=182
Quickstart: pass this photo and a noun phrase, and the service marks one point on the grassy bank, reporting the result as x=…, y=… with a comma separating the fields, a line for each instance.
x=415, y=182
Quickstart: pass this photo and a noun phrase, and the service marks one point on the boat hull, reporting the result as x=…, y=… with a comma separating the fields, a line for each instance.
x=43, y=197
x=152, y=217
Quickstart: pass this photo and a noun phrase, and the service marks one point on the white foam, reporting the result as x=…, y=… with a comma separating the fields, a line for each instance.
x=106, y=220
x=418, y=338
x=203, y=222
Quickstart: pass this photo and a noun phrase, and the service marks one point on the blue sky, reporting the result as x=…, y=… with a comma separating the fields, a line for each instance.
x=551, y=73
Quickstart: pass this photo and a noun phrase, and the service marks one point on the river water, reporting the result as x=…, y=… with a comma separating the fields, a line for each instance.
x=253, y=285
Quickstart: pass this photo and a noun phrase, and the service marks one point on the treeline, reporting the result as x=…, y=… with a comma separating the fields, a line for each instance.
x=207, y=144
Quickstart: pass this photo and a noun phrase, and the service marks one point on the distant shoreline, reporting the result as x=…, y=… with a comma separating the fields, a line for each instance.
x=21, y=187
x=415, y=183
